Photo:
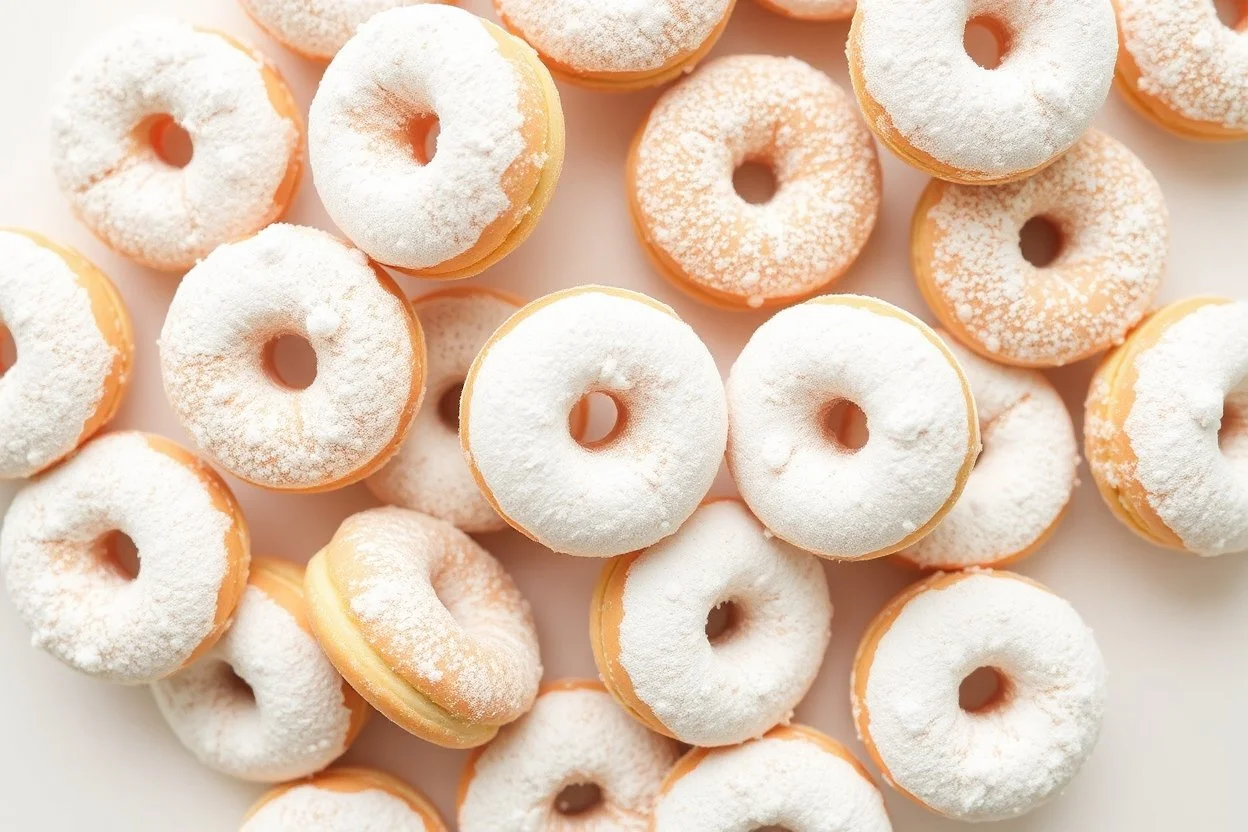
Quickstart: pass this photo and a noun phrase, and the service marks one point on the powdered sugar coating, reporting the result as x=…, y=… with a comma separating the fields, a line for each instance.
x=325, y=810
x=317, y=28
x=814, y=9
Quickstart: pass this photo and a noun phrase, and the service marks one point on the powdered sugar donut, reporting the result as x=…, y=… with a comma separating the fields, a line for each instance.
x=108, y=127
x=939, y=111
x=74, y=346
x=1019, y=748
x=1166, y=431
x=344, y=800
x=575, y=739
x=659, y=656
x=812, y=9
x=317, y=29
x=59, y=553
x=762, y=109
x=216, y=360
x=460, y=209
x=791, y=465
x=1114, y=241
x=631, y=488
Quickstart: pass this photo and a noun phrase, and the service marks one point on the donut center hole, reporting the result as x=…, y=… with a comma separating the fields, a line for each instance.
x=605, y=420
x=1233, y=432
x=119, y=554
x=755, y=182
x=578, y=799
x=237, y=686
x=986, y=41
x=448, y=406
x=723, y=621
x=771, y=828
x=845, y=425
x=8, y=350
x=1233, y=13
x=422, y=135
x=983, y=690
x=170, y=141
x=291, y=361
x=1040, y=240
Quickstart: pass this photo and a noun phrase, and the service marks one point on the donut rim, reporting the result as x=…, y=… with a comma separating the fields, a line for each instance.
x=351, y=779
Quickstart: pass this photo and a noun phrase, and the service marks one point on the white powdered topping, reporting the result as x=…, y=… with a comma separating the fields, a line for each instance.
x=307, y=808
x=1188, y=428
x=777, y=111
x=63, y=360
x=289, y=280
x=640, y=486
x=145, y=208
x=1006, y=760
x=1036, y=104
x=724, y=692
x=1115, y=241
x=815, y=9
x=83, y=611
x=577, y=736
x=803, y=485
x=317, y=28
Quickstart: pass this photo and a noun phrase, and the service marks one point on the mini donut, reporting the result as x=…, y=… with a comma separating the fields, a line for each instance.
x=1166, y=432
x=708, y=240
x=1021, y=747
x=942, y=113
x=1184, y=69
x=344, y=800
x=75, y=350
x=458, y=210
x=648, y=628
x=317, y=29
x=264, y=704
x=1023, y=478
x=617, y=46
x=425, y=625
x=789, y=462
x=111, y=116
x=575, y=735
x=811, y=9
x=217, y=363
x=59, y=555
x=1113, y=226
x=634, y=486
x=793, y=778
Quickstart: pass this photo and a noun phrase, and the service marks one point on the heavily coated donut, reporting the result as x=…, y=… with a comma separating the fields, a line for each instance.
x=317, y=29
x=790, y=464
x=344, y=800
x=59, y=557
x=1015, y=751
x=648, y=628
x=108, y=126
x=74, y=350
x=939, y=111
x=1166, y=431
x=707, y=239
x=811, y=9
x=216, y=360
x=1114, y=234
x=459, y=210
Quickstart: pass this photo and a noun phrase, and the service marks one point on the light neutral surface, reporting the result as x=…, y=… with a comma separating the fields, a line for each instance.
x=79, y=754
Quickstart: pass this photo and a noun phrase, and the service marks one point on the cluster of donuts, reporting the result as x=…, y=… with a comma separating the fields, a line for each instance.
x=852, y=429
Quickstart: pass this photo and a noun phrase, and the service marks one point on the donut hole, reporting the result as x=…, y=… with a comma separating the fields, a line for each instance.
x=844, y=424
x=422, y=133
x=8, y=350
x=1041, y=241
x=1233, y=13
x=983, y=690
x=771, y=828
x=236, y=686
x=605, y=421
x=291, y=361
x=755, y=181
x=723, y=622
x=119, y=555
x=1233, y=432
x=448, y=406
x=986, y=40
x=170, y=141
x=578, y=799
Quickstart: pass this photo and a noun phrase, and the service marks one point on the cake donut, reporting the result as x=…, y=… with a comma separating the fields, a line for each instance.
x=317, y=29
x=708, y=240
x=457, y=210
x=811, y=9
x=792, y=778
x=109, y=124
x=344, y=800
x=634, y=486
x=654, y=649
x=264, y=704
x=425, y=625
x=1113, y=243
x=1166, y=432
x=60, y=557
x=74, y=346
x=575, y=742
x=789, y=460
x=942, y=113
x=1013, y=752
x=614, y=46
x=216, y=359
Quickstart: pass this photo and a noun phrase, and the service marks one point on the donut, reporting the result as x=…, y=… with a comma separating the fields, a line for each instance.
x=792, y=778
x=317, y=29
x=761, y=109
x=1113, y=243
x=811, y=9
x=74, y=346
x=1166, y=431
x=425, y=625
x=1184, y=69
x=216, y=360
x=575, y=742
x=939, y=111
x=264, y=704
x=1023, y=478
x=617, y=46
x=789, y=461
x=1022, y=746
x=110, y=120
x=60, y=556
x=654, y=649
x=634, y=486
x=344, y=800
x=459, y=209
